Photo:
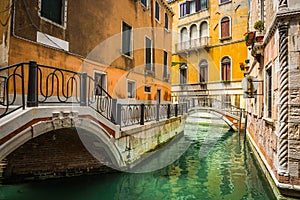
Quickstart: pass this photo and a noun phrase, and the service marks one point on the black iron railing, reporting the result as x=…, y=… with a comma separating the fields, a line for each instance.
x=12, y=90
x=52, y=85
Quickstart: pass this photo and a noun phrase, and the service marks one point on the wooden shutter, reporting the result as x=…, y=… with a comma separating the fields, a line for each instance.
x=187, y=5
x=225, y=28
x=198, y=5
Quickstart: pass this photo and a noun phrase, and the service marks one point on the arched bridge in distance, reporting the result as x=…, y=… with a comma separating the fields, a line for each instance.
x=53, y=123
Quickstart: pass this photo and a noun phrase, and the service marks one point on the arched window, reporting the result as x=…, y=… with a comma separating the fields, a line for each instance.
x=183, y=74
x=194, y=36
x=225, y=27
x=204, y=29
x=225, y=68
x=184, y=38
x=203, y=71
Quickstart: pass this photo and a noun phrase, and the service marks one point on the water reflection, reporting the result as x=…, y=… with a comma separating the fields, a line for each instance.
x=216, y=165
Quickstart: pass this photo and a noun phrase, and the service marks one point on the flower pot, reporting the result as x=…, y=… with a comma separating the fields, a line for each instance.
x=249, y=40
x=259, y=38
x=242, y=67
x=247, y=68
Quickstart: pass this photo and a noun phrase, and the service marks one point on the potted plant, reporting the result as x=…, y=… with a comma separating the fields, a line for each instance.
x=247, y=61
x=242, y=66
x=259, y=26
x=248, y=37
x=247, y=68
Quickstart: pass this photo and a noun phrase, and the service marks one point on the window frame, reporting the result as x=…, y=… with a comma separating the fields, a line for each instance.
x=131, y=41
x=229, y=28
x=268, y=92
x=166, y=26
x=222, y=3
x=230, y=67
x=146, y=2
x=101, y=73
x=181, y=80
x=149, y=86
x=63, y=14
x=134, y=90
x=151, y=55
x=165, y=66
x=184, y=9
x=157, y=6
x=201, y=67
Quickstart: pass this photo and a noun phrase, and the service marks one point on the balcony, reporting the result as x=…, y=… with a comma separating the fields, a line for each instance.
x=192, y=44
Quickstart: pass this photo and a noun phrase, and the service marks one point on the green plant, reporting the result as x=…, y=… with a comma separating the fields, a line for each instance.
x=259, y=25
x=247, y=61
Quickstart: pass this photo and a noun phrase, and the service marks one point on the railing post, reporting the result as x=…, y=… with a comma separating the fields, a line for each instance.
x=176, y=110
x=32, y=96
x=157, y=112
x=240, y=121
x=119, y=114
x=83, y=89
x=142, y=122
x=169, y=111
x=113, y=110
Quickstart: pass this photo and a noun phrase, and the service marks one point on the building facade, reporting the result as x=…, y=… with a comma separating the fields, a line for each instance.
x=128, y=53
x=273, y=112
x=208, y=47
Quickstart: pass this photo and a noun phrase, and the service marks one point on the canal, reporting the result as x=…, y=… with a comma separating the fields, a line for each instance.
x=215, y=165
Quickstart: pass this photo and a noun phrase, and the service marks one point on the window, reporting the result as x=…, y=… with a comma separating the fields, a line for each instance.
x=203, y=71
x=204, y=29
x=183, y=10
x=203, y=4
x=192, y=7
x=53, y=10
x=269, y=91
x=100, y=83
x=131, y=89
x=225, y=27
x=126, y=39
x=147, y=89
x=225, y=69
x=183, y=74
x=165, y=72
x=166, y=21
x=224, y=1
x=148, y=54
x=157, y=11
x=145, y=3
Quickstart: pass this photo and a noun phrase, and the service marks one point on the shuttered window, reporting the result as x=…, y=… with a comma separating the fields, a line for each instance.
x=225, y=69
x=183, y=9
x=126, y=39
x=269, y=91
x=52, y=10
x=225, y=27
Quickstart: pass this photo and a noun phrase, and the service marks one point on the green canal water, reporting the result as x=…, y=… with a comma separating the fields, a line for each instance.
x=216, y=165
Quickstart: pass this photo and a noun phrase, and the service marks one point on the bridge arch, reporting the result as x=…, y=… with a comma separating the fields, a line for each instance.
x=92, y=136
x=230, y=120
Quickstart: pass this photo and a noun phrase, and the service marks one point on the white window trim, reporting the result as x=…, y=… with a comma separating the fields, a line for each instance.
x=220, y=27
x=131, y=40
x=130, y=80
x=266, y=93
x=146, y=7
x=104, y=73
x=230, y=67
x=65, y=12
x=224, y=2
x=207, y=69
x=151, y=52
x=159, y=14
x=204, y=21
x=150, y=89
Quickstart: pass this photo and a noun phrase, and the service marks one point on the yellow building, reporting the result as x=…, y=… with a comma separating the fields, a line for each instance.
x=208, y=45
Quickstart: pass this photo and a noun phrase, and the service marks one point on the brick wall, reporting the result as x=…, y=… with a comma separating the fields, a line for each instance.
x=55, y=154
